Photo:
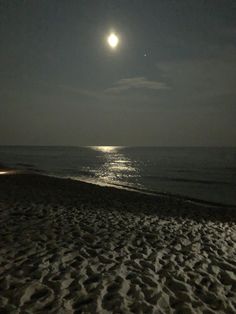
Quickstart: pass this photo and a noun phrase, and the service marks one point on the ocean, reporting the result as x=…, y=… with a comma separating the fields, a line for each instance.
x=207, y=174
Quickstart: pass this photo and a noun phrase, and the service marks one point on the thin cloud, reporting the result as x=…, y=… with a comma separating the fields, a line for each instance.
x=136, y=83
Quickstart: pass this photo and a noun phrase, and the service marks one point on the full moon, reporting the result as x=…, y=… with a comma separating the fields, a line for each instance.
x=113, y=40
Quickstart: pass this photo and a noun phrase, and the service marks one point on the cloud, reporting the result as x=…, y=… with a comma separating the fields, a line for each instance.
x=136, y=83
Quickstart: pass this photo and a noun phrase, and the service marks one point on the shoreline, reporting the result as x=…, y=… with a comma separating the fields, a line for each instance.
x=155, y=193
x=73, y=247
x=145, y=191
x=165, y=196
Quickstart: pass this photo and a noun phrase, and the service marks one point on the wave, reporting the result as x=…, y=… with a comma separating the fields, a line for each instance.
x=187, y=180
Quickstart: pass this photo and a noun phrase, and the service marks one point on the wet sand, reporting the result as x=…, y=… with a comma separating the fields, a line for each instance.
x=73, y=247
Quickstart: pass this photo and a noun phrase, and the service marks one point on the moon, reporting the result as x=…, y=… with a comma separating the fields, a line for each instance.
x=113, y=40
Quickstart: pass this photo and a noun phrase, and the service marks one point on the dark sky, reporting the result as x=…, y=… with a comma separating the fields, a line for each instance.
x=170, y=82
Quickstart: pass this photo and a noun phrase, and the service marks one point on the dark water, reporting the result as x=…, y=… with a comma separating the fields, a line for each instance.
x=204, y=173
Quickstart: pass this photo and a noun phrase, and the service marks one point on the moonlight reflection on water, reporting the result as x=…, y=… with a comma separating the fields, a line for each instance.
x=106, y=149
x=117, y=167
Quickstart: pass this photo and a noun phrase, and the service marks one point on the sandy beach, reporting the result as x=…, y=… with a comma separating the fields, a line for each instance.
x=73, y=247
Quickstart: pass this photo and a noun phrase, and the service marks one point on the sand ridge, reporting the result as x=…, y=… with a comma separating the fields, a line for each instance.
x=70, y=247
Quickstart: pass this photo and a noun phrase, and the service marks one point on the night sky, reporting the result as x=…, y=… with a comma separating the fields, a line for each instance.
x=170, y=82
